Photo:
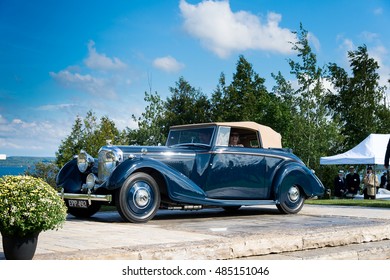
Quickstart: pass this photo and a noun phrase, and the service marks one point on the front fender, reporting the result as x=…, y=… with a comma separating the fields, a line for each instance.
x=179, y=187
x=69, y=177
x=296, y=173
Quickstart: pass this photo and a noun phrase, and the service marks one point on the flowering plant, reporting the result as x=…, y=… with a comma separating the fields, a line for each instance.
x=29, y=205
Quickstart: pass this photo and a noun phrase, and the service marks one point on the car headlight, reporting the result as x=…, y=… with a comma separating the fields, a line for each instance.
x=109, y=160
x=84, y=161
x=109, y=157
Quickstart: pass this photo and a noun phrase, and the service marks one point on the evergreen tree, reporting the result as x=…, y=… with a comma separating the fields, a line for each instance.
x=244, y=99
x=107, y=131
x=218, y=104
x=186, y=105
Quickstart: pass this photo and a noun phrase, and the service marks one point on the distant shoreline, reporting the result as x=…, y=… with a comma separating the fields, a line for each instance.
x=26, y=161
x=17, y=165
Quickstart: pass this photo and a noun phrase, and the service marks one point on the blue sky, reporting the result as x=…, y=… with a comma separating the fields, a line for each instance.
x=60, y=59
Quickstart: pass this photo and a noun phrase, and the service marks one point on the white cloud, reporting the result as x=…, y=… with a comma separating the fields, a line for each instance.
x=56, y=107
x=378, y=11
x=95, y=86
x=375, y=50
x=314, y=40
x=99, y=78
x=99, y=61
x=345, y=46
x=381, y=54
x=18, y=137
x=168, y=64
x=2, y=120
x=348, y=45
x=223, y=31
x=21, y=137
x=369, y=36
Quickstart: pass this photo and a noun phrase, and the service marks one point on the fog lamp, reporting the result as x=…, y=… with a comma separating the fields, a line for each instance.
x=91, y=180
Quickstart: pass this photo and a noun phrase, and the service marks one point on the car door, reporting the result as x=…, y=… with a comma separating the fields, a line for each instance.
x=235, y=172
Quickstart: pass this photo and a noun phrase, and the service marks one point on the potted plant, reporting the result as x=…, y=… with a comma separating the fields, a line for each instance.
x=28, y=206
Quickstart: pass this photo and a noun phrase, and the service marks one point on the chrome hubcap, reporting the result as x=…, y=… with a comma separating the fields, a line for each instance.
x=293, y=193
x=141, y=197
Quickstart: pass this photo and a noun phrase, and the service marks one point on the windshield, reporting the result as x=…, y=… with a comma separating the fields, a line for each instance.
x=191, y=136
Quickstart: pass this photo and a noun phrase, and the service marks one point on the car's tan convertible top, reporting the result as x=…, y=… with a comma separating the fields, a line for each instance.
x=268, y=137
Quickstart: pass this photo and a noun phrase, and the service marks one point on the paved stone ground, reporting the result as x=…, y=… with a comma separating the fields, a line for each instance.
x=379, y=250
x=317, y=232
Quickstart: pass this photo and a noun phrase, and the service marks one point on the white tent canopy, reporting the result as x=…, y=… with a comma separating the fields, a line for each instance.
x=370, y=151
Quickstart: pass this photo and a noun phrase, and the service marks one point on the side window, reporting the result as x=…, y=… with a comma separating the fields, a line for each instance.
x=255, y=142
x=223, y=136
x=249, y=139
x=246, y=138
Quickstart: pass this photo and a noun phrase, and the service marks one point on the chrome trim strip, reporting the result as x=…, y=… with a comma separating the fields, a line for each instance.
x=160, y=155
x=249, y=154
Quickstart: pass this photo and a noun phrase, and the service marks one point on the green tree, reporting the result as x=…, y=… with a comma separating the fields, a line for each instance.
x=186, y=105
x=90, y=143
x=106, y=131
x=283, y=112
x=89, y=135
x=72, y=144
x=358, y=99
x=245, y=99
x=44, y=170
x=151, y=124
x=219, y=106
x=314, y=131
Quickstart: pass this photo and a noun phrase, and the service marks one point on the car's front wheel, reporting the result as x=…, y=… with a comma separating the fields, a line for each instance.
x=139, y=198
x=291, y=200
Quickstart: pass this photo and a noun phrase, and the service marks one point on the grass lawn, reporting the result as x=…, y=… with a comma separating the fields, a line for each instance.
x=351, y=202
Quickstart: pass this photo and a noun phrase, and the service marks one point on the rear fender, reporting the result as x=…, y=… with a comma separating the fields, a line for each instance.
x=298, y=174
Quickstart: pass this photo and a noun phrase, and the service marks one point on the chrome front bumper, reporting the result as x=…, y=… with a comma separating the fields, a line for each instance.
x=86, y=196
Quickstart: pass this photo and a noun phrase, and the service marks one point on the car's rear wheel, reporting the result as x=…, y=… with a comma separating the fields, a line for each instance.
x=291, y=201
x=83, y=212
x=139, y=198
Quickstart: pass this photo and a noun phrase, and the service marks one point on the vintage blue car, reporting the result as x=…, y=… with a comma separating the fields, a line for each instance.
x=227, y=165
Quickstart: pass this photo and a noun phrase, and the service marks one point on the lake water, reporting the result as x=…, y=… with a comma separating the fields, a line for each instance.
x=12, y=170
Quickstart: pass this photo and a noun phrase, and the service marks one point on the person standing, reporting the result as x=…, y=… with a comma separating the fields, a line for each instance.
x=386, y=164
x=387, y=155
x=340, y=188
x=383, y=180
x=353, y=181
x=370, y=184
